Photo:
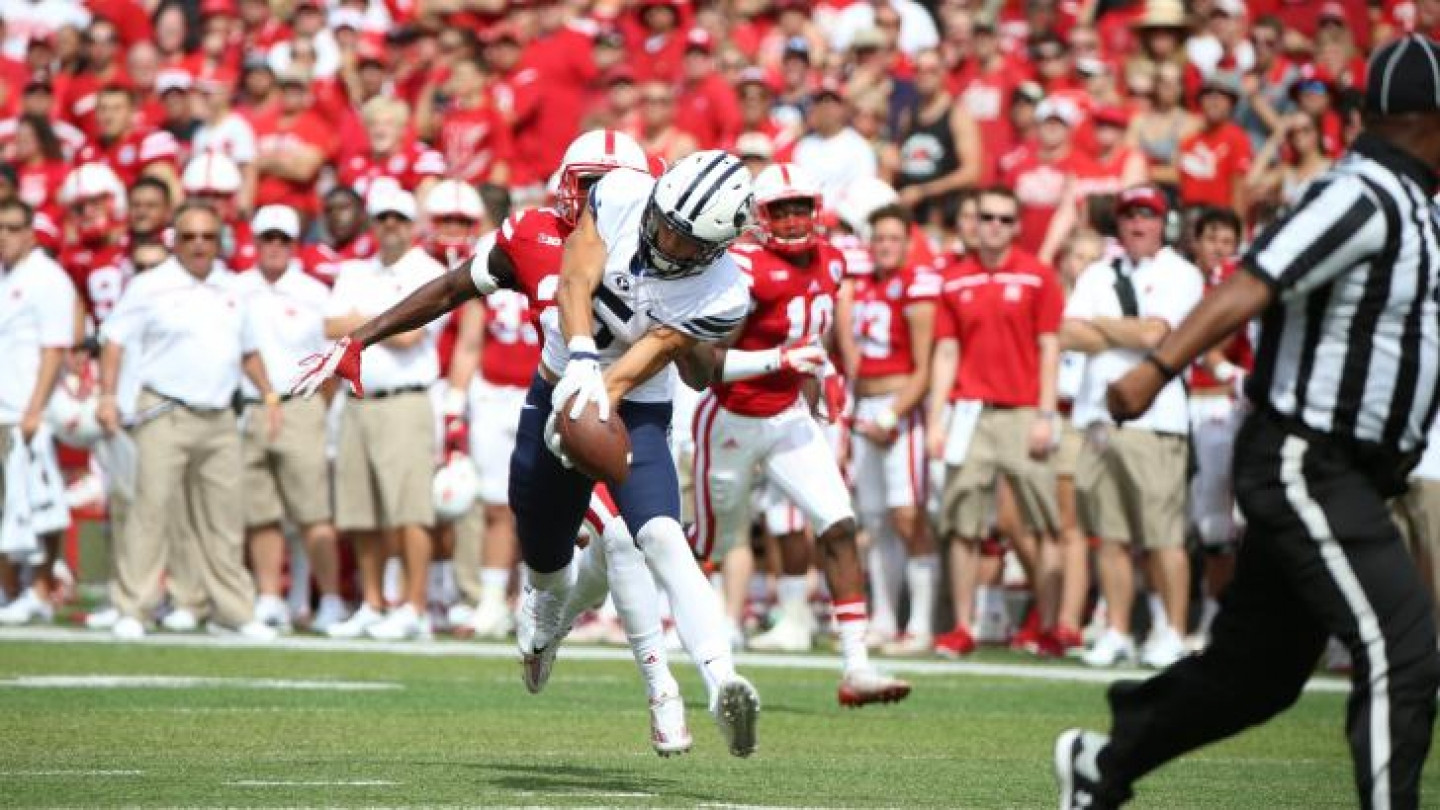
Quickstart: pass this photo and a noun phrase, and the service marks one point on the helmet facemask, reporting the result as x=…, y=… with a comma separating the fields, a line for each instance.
x=687, y=255
x=788, y=225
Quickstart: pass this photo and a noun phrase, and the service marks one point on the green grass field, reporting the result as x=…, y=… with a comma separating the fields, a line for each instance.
x=448, y=730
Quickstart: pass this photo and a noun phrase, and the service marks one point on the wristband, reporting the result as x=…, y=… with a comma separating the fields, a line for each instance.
x=582, y=345
x=1165, y=371
x=455, y=402
x=744, y=365
x=271, y=398
x=1225, y=371
x=886, y=420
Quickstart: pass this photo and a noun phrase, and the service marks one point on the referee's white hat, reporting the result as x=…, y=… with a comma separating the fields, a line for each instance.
x=1404, y=77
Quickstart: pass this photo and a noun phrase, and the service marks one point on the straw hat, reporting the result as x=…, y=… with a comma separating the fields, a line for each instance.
x=1162, y=14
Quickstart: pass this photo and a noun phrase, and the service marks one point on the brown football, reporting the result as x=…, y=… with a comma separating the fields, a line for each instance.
x=600, y=450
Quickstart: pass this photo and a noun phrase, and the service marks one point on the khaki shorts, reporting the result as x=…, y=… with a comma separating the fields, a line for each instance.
x=1067, y=455
x=385, y=466
x=1130, y=487
x=1000, y=447
x=1417, y=514
x=288, y=477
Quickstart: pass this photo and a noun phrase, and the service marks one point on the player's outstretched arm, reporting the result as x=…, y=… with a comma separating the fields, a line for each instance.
x=643, y=360
x=581, y=268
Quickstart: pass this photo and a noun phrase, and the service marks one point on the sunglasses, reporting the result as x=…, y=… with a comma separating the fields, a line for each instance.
x=275, y=236
x=390, y=216
x=198, y=236
x=1003, y=219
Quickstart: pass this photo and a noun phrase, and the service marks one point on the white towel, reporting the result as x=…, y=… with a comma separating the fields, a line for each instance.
x=49, y=511
x=119, y=459
x=17, y=535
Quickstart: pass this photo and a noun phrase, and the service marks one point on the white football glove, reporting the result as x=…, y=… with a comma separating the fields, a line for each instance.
x=810, y=358
x=342, y=360
x=583, y=380
x=553, y=444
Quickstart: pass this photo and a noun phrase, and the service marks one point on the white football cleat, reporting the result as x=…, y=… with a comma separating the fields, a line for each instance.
x=668, y=731
x=128, y=628
x=538, y=635
x=27, y=608
x=860, y=687
x=737, y=713
x=359, y=621
x=1077, y=769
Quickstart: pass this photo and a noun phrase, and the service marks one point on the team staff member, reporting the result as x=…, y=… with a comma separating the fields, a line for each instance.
x=995, y=366
x=1131, y=478
x=1346, y=382
x=184, y=328
x=894, y=316
x=386, y=459
x=38, y=313
x=287, y=475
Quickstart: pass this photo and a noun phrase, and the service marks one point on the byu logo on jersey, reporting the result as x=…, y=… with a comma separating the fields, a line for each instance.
x=620, y=281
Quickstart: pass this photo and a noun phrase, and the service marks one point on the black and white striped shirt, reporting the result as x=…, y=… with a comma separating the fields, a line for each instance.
x=1351, y=345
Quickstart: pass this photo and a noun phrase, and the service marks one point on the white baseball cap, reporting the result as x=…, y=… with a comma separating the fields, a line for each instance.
x=389, y=198
x=173, y=79
x=1061, y=108
x=280, y=218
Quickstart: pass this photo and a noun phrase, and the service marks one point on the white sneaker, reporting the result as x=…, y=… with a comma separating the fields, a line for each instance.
x=357, y=624
x=102, y=619
x=331, y=613
x=128, y=628
x=538, y=635
x=27, y=608
x=460, y=614
x=273, y=611
x=791, y=635
x=401, y=624
x=180, y=620
x=668, y=731
x=492, y=620
x=1162, y=649
x=737, y=712
x=1110, y=650
x=908, y=645
x=254, y=630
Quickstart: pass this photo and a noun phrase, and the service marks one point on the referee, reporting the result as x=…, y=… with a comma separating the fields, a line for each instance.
x=1343, y=392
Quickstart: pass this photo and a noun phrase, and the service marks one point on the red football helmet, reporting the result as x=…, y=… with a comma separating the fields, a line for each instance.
x=94, y=199
x=794, y=230
x=588, y=157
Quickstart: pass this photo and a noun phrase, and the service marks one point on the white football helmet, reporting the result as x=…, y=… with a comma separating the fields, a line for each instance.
x=590, y=156
x=455, y=211
x=455, y=488
x=705, y=201
x=863, y=197
x=454, y=198
x=90, y=181
x=211, y=173
x=793, y=232
x=72, y=418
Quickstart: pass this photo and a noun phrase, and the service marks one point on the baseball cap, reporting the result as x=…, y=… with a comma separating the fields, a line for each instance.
x=755, y=145
x=797, y=46
x=293, y=74
x=1404, y=77
x=1059, y=108
x=1148, y=197
x=829, y=89
x=698, y=39
x=389, y=198
x=281, y=218
x=344, y=17
x=1112, y=116
x=1221, y=83
x=1333, y=11
x=167, y=80
x=871, y=38
x=1230, y=8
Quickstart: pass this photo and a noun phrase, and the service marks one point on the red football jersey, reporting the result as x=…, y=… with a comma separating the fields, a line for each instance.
x=998, y=316
x=131, y=154
x=99, y=275
x=409, y=166
x=1040, y=186
x=473, y=141
x=323, y=261
x=1238, y=349
x=512, y=341
x=535, y=241
x=790, y=305
x=881, y=329
x=237, y=247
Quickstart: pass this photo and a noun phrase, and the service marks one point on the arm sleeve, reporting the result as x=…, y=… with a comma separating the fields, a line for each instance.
x=1337, y=226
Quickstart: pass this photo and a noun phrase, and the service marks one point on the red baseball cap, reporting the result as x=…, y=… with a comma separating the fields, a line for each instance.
x=218, y=8
x=698, y=39
x=1148, y=197
x=1114, y=116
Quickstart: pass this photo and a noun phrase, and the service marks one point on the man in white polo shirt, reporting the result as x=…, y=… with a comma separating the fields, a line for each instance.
x=184, y=327
x=37, y=324
x=386, y=460
x=1131, y=478
x=287, y=475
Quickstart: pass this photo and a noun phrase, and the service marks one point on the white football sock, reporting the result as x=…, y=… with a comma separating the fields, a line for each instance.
x=496, y=580
x=887, y=572
x=699, y=617
x=922, y=573
x=793, y=593
x=1159, y=619
x=591, y=583
x=852, y=623
x=392, y=588
x=636, y=600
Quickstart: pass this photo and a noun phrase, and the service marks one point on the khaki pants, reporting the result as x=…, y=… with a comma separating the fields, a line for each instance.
x=287, y=476
x=1131, y=486
x=1417, y=514
x=385, y=471
x=1000, y=447
x=175, y=449
x=465, y=558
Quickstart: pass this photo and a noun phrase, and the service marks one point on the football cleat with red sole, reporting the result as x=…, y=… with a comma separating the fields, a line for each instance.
x=866, y=686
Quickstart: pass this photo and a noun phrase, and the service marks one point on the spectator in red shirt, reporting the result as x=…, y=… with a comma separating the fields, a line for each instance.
x=656, y=29
x=346, y=235
x=659, y=134
x=291, y=148
x=259, y=96
x=39, y=163
x=38, y=100
x=550, y=92
x=706, y=101
x=473, y=137
x=391, y=152
x=142, y=66
x=757, y=112
x=1043, y=176
x=129, y=149
x=1213, y=162
x=984, y=83
x=102, y=69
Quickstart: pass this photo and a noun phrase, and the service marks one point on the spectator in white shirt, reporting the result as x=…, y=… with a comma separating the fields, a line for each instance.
x=287, y=476
x=918, y=31
x=1131, y=479
x=184, y=325
x=386, y=460
x=833, y=152
x=225, y=131
x=38, y=318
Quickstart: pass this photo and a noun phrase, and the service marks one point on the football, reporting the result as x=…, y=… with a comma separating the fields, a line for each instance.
x=600, y=450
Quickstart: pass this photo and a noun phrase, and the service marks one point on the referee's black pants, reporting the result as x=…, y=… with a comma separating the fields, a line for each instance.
x=1320, y=557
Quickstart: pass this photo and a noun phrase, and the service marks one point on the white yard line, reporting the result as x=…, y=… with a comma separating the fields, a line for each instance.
x=186, y=682
x=576, y=652
x=104, y=774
